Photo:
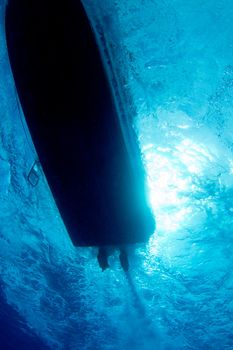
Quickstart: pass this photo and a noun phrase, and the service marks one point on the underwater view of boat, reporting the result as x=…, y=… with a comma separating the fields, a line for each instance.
x=98, y=183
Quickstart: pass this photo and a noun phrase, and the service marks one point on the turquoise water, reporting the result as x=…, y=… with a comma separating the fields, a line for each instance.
x=174, y=60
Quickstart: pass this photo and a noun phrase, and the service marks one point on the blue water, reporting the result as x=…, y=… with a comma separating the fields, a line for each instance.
x=174, y=61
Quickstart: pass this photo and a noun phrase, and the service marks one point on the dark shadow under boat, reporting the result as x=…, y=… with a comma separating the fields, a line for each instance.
x=73, y=120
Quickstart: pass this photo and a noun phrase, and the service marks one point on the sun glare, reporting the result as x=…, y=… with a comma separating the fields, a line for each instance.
x=170, y=173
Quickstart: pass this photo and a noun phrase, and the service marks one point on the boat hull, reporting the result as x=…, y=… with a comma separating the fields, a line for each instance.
x=73, y=120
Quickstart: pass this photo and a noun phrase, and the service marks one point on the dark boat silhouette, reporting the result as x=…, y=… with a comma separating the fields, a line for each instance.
x=97, y=181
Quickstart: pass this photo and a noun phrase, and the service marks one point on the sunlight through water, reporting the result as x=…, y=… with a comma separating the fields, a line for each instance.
x=174, y=63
